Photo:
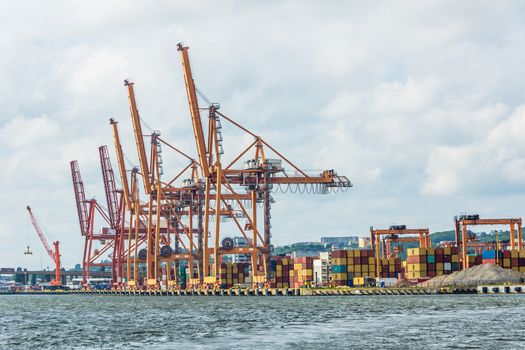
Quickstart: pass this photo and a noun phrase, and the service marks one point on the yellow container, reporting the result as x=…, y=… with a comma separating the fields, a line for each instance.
x=291, y=273
x=506, y=263
x=455, y=258
x=417, y=251
x=439, y=267
x=359, y=281
x=371, y=260
x=522, y=253
x=515, y=268
x=350, y=268
x=439, y=273
x=522, y=268
x=447, y=251
x=357, y=268
x=350, y=253
x=364, y=269
x=279, y=273
x=417, y=267
x=431, y=251
x=338, y=276
x=391, y=268
x=371, y=268
x=338, y=261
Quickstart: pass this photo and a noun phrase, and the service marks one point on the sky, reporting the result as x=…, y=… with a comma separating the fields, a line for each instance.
x=420, y=104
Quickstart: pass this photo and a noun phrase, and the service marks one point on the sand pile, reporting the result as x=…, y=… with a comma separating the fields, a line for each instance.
x=479, y=274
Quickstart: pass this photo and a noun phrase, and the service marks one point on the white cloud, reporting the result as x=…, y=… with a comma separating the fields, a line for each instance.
x=418, y=104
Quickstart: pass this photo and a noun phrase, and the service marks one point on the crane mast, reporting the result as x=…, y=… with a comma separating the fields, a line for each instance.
x=137, y=128
x=110, y=187
x=80, y=196
x=194, y=109
x=55, y=256
x=121, y=165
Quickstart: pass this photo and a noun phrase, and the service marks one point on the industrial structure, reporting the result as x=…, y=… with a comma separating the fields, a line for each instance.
x=54, y=255
x=421, y=235
x=184, y=221
x=462, y=222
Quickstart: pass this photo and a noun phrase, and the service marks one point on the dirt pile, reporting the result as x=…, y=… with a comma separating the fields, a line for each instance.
x=479, y=274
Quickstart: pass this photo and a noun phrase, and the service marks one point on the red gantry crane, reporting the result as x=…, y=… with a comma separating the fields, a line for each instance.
x=55, y=256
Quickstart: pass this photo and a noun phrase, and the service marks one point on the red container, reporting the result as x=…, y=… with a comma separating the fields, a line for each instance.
x=506, y=253
x=521, y=262
x=514, y=263
x=431, y=267
x=439, y=251
x=364, y=260
x=431, y=273
x=447, y=258
x=439, y=258
x=339, y=254
x=454, y=250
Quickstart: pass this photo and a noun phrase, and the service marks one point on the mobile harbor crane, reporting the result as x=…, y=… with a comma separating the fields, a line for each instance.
x=55, y=256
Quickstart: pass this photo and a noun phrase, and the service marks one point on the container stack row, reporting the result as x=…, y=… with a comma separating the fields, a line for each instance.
x=292, y=273
x=390, y=267
x=348, y=264
x=508, y=259
x=231, y=274
x=431, y=262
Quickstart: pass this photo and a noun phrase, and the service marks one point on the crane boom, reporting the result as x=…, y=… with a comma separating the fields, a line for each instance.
x=40, y=233
x=80, y=196
x=109, y=186
x=194, y=109
x=121, y=165
x=137, y=128
x=55, y=256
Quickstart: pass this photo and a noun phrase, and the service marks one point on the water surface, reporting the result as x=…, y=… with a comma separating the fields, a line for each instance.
x=380, y=322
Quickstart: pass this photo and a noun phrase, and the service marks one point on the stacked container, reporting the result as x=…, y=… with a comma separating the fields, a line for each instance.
x=513, y=259
x=303, y=271
x=430, y=262
x=282, y=272
x=473, y=260
x=233, y=273
x=390, y=267
x=348, y=264
x=494, y=257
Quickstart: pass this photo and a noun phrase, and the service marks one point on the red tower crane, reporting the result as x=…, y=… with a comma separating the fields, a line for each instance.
x=55, y=256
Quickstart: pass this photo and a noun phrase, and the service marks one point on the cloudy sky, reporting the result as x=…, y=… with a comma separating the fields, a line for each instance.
x=422, y=106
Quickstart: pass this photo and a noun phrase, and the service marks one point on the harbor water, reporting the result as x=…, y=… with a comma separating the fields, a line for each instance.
x=380, y=322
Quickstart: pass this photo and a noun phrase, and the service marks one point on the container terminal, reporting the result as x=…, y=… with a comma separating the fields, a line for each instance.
x=171, y=233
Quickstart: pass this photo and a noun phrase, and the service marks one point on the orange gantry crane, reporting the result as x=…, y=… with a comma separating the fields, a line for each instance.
x=462, y=222
x=244, y=188
x=393, y=233
x=55, y=256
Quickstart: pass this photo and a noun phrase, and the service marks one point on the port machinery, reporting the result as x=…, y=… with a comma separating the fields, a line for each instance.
x=392, y=234
x=462, y=222
x=53, y=255
x=186, y=220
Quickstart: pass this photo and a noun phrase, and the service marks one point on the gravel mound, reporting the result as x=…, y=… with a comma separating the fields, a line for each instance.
x=479, y=274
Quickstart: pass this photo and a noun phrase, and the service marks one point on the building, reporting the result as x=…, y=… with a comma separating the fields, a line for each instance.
x=322, y=269
x=364, y=242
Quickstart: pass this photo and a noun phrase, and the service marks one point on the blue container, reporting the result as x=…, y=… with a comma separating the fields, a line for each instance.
x=431, y=259
x=491, y=254
x=351, y=282
x=339, y=268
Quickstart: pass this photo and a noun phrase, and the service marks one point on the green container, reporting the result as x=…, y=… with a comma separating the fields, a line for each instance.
x=431, y=259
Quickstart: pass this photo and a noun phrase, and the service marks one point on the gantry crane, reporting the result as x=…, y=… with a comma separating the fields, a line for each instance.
x=257, y=177
x=462, y=222
x=55, y=256
x=388, y=240
x=423, y=236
